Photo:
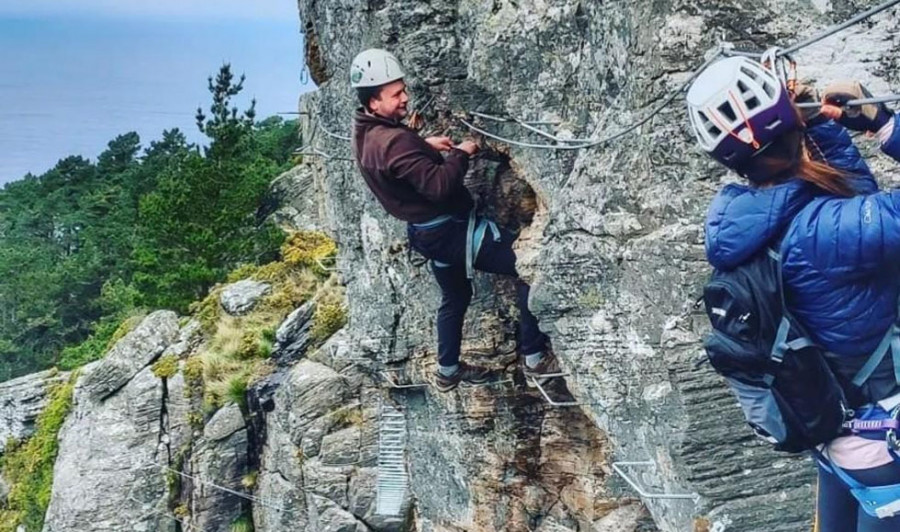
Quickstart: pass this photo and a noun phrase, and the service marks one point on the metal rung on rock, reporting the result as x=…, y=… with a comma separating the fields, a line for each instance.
x=397, y=386
x=392, y=480
x=618, y=468
x=547, y=398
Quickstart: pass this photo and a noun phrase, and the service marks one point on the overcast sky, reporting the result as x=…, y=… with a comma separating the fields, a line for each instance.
x=74, y=74
x=271, y=9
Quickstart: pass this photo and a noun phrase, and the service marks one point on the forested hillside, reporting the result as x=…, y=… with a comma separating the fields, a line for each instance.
x=87, y=245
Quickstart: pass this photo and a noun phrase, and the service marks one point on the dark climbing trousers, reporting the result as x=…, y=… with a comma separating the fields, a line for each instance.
x=445, y=245
x=839, y=511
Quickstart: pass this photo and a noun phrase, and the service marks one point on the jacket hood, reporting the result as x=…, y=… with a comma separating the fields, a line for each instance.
x=367, y=120
x=742, y=220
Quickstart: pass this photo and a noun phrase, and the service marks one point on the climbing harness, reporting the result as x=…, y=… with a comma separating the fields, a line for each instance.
x=475, y=233
x=475, y=238
x=881, y=502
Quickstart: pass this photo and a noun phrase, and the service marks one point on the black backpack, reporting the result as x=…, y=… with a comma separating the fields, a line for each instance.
x=789, y=395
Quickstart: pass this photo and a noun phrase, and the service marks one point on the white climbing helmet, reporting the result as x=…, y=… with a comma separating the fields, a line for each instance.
x=374, y=67
x=738, y=107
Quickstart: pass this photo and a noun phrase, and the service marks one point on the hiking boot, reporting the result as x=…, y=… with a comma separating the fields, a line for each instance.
x=548, y=364
x=465, y=373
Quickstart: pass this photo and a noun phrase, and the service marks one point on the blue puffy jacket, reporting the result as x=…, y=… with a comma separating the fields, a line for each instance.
x=841, y=256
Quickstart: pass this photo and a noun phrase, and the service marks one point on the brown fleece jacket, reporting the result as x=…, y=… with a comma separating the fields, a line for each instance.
x=412, y=180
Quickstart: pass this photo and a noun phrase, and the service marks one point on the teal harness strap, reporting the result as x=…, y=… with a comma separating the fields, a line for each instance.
x=895, y=354
x=475, y=238
x=890, y=341
x=434, y=222
x=470, y=247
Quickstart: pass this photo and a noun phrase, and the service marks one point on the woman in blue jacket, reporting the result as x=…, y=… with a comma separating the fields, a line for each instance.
x=808, y=186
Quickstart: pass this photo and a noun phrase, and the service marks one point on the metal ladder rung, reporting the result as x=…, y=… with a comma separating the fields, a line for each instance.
x=392, y=481
x=551, y=402
x=617, y=467
x=385, y=374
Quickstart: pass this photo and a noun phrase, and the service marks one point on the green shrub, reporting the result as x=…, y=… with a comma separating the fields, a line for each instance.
x=165, y=367
x=237, y=391
x=244, y=271
x=106, y=333
x=329, y=317
x=193, y=377
x=208, y=310
x=268, y=334
x=28, y=468
x=249, y=480
x=242, y=524
x=348, y=417
x=126, y=326
x=312, y=249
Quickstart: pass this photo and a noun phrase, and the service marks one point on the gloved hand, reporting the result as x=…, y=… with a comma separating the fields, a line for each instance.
x=803, y=93
x=869, y=117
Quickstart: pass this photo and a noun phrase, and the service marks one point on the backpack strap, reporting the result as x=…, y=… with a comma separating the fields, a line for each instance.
x=890, y=341
x=781, y=344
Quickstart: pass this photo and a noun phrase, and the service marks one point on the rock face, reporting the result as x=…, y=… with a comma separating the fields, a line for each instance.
x=611, y=239
x=106, y=472
x=117, y=440
x=21, y=400
x=293, y=336
x=139, y=347
x=238, y=298
x=220, y=456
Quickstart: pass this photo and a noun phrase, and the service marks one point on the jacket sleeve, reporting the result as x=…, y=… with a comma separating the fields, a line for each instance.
x=437, y=181
x=849, y=238
x=831, y=142
x=891, y=145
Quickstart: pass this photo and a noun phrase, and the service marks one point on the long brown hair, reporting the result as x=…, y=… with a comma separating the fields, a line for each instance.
x=795, y=154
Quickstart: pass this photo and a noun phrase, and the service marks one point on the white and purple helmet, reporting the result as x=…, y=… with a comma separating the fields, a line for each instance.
x=737, y=108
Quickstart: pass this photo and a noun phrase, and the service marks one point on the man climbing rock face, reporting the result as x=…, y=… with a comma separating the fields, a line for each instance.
x=417, y=184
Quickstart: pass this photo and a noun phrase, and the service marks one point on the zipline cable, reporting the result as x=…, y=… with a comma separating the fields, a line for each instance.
x=834, y=29
x=820, y=36
x=595, y=142
x=246, y=496
x=186, y=527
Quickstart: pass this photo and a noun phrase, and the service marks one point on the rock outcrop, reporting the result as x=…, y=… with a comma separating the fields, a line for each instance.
x=240, y=297
x=139, y=348
x=611, y=239
x=115, y=443
x=21, y=400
